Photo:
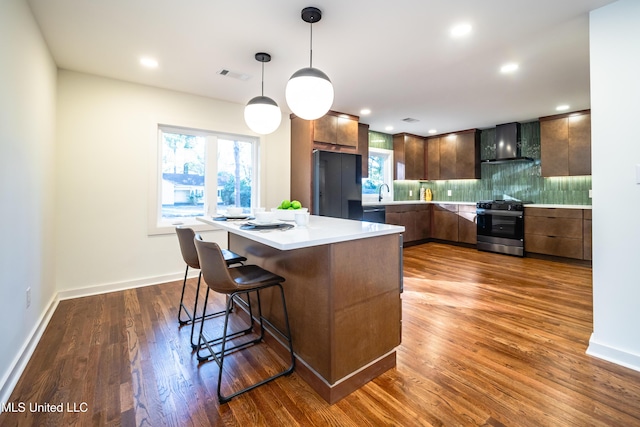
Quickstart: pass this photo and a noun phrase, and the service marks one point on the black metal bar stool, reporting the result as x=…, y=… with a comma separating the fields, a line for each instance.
x=232, y=282
x=190, y=257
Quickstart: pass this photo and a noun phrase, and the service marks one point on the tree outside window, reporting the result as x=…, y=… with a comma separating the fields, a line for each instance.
x=188, y=159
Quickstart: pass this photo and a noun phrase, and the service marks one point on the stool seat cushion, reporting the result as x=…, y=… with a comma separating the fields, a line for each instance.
x=253, y=276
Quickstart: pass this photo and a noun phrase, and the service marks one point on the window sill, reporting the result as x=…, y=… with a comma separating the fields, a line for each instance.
x=170, y=228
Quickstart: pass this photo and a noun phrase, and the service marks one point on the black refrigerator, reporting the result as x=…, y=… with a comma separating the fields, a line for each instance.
x=337, y=184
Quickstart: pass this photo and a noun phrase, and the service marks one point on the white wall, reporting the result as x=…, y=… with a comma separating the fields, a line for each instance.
x=27, y=191
x=615, y=103
x=106, y=133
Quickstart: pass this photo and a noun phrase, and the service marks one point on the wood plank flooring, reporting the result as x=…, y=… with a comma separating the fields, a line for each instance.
x=488, y=340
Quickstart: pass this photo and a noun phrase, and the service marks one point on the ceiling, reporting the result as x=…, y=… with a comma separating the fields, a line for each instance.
x=396, y=58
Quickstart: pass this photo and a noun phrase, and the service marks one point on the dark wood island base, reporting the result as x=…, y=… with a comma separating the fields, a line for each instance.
x=344, y=307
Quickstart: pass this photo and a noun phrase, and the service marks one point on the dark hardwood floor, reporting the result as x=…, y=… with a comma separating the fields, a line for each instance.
x=488, y=340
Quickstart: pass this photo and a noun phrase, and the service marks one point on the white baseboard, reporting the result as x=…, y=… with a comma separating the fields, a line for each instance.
x=613, y=355
x=121, y=286
x=24, y=355
x=8, y=383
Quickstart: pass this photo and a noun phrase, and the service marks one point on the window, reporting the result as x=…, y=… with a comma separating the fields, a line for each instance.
x=200, y=173
x=380, y=172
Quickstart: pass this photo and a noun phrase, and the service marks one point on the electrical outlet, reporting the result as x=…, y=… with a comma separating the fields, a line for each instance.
x=590, y=194
x=449, y=193
x=28, y=297
x=410, y=193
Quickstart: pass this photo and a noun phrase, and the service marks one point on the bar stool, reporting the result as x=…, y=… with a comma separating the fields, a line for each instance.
x=190, y=257
x=232, y=282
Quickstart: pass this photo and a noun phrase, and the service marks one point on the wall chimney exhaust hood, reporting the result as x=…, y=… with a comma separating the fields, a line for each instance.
x=508, y=145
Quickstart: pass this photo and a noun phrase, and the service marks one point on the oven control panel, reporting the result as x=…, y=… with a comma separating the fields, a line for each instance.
x=501, y=205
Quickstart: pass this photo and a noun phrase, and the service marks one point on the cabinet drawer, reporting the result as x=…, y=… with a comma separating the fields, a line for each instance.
x=556, y=246
x=553, y=213
x=550, y=226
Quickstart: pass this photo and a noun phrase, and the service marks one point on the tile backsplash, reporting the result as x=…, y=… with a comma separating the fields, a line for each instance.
x=519, y=180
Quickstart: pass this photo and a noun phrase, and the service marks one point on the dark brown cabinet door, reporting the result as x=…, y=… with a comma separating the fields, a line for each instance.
x=414, y=157
x=467, y=227
x=331, y=129
x=448, y=156
x=468, y=155
x=580, y=145
x=347, y=132
x=566, y=144
x=325, y=129
x=363, y=147
x=415, y=218
x=586, y=235
x=433, y=158
x=407, y=220
x=408, y=154
x=445, y=222
x=554, y=156
x=454, y=156
x=423, y=222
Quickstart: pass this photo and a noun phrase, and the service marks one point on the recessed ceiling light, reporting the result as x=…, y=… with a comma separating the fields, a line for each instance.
x=389, y=128
x=563, y=107
x=509, y=68
x=149, y=62
x=460, y=30
x=365, y=111
x=432, y=131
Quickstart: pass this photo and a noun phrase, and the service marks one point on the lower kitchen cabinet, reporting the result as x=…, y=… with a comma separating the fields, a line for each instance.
x=586, y=233
x=445, y=222
x=467, y=226
x=415, y=218
x=557, y=232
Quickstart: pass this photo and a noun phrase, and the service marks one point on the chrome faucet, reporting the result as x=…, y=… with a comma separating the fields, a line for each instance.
x=380, y=191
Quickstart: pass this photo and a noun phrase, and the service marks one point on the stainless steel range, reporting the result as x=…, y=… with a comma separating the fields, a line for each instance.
x=501, y=226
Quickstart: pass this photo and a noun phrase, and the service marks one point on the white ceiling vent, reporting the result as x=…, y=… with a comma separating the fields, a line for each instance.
x=234, y=74
x=410, y=120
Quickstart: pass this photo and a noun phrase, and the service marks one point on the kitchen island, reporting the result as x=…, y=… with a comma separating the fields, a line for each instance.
x=343, y=285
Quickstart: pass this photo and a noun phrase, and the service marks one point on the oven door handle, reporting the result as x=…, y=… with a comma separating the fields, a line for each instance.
x=498, y=212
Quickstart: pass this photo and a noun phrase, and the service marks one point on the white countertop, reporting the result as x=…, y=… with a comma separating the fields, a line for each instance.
x=441, y=202
x=558, y=206
x=414, y=202
x=321, y=230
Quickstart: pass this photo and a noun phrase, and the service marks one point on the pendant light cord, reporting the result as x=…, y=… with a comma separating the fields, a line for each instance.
x=311, y=46
x=263, y=79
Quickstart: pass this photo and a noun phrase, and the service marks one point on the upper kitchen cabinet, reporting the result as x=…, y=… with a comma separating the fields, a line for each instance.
x=454, y=156
x=336, y=128
x=433, y=158
x=363, y=147
x=408, y=156
x=334, y=132
x=565, y=143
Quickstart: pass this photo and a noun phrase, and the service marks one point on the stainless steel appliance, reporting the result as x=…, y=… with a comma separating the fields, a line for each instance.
x=337, y=184
x=501, y=226
x=374, y=214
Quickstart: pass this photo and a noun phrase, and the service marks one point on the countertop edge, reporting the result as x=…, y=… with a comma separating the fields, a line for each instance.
x=551, y=206
x=375, y=230
x=438, y=202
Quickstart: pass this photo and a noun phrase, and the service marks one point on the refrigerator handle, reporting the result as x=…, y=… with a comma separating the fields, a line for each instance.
x=315, y=203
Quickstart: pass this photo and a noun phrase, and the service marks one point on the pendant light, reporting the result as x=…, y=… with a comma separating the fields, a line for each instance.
x=309, y=92
x=262, y=113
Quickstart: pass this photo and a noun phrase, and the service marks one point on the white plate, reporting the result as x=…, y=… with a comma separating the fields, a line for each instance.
x=243, y=216
x=265, y=224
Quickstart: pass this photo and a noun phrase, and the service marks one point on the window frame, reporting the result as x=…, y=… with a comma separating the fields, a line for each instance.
x=388, y=175
x=155, y=224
